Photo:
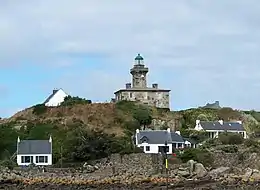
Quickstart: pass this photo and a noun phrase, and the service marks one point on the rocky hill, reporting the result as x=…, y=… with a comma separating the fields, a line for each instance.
x=112, y=118
x=83, y=130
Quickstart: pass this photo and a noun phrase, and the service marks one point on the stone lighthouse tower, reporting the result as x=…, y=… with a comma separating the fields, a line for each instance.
x=139, y=72
x=139, y=91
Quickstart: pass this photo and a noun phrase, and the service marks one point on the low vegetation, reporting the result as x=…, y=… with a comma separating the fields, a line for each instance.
x=200, y=155
x=82, y=130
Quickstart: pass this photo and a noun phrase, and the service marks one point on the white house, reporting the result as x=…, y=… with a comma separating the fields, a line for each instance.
x=177, y=140
x=56, y=98
x=38, y=152
x=214, y=128
x=190, y=143
x=153, y=141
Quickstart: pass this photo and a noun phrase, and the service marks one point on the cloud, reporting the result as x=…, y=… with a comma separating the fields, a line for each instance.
x=44, y=29
x=202, y=50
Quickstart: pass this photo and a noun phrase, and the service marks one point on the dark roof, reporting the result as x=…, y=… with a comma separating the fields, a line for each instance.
x=139, y=57
x=154, y=137
x=34, y=147
x=176, y=138
x=50, y=97
x=231, y=126
x=142, y=90
x=190, y=140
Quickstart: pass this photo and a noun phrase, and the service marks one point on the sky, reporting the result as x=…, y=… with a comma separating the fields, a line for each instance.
x=200, y=49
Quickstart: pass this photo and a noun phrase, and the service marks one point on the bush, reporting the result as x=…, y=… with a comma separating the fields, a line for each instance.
x=229, y=148
x=70, y=101
x=230, y=138
x=126, y=106
x=200, y=155
x=39, y=109
x=251, y=143
x=211, y=143
x=199, y=136
x=185, y=132
x=8, y=163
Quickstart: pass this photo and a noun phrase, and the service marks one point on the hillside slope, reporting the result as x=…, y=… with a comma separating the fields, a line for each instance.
x=82, y=130
x=112, y=118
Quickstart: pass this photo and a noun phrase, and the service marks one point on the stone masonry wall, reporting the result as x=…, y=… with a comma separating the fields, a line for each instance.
x=153, y=98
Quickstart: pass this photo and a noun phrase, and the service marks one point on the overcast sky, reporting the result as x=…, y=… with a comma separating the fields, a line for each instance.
x=203, y=50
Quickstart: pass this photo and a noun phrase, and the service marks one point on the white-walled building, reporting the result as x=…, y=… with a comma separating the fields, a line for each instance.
x=214, y=128
x=177, y=140
x=56, y=98
x=38, y=152
x=153, y=141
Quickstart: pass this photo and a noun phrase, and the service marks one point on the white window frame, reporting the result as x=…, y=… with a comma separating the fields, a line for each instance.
x=41, y=159
x=23, y=159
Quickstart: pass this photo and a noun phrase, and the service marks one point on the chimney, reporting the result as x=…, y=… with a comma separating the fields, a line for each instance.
x=55, y=90
x=221, y=122
x=240, y=122
x=155, y=85
x=168, y=130
x=197, y=122
x=50, y=139
x=178, y=132
x=128, y=85
x=18, y=139
x=137, y=130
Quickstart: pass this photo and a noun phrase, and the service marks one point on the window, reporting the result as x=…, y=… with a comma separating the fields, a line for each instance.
x=41, y=159
x=147, y=148
x=131, y=95
x=27, y=159
x=180, y=145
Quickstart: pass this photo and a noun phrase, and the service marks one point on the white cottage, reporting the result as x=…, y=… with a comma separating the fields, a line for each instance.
x=56, y=98
x=153, y=141
x=38, y=152
x=214, y=128
x=177, y=140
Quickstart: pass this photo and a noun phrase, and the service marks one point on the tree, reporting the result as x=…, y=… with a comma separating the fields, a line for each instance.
x=230, y=138
x=8, y=136
x=143, y=116
x=202, y=117
x=40, y=131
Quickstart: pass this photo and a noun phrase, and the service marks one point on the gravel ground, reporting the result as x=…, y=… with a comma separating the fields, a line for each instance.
x=199, y=185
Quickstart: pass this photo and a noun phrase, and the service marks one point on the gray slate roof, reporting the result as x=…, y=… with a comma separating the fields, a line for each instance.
x=190, y=140
x=234, y=126
x=177, y=138
x=34, y=147
x=154, y=137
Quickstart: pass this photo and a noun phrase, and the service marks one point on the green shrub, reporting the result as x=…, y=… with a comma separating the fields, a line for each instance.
x=229, y=148
x=200, y=155
x=185, y=132
x=126, y=106
x=251, y=143
x=199, y=136
x=8, y=163
x=230, y=138
x=70, y=101
x=211, y=143
x=39, y=109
